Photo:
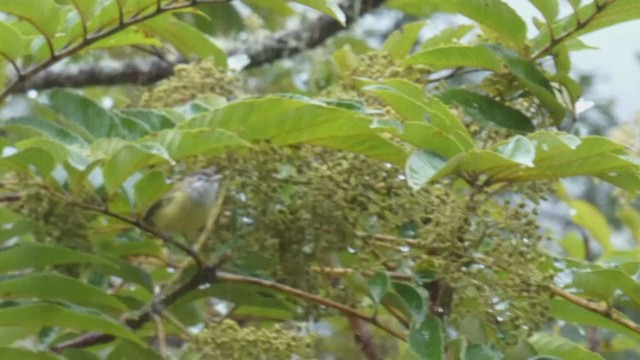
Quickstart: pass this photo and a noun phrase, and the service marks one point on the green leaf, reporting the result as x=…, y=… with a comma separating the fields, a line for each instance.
x=379, y=284
x=86, y=8
x=43, y=314
x=12, y=45
x=127, y=160
x=130, y=36
x=603, y=283
x=46, y=19
x=547, y=344
x=409, y=109
x=568, y=311
x=495, y=15
x=56, y=287
x=187, y=39
x=44, y=127
x=241, y=295
x=591, y=219
x=443, y=118
x=130, y=350
x=426, y=339
x=534, y=80
x=150, y=188
x=76, y=354
x=155, y=120
x=29, y=256
x=421, y=167
x=26, y=354
x=548, y=9
x=573, y=243
x=631, y=218
x=84, y=112
x=486, y=110
x=285, y=120
x=415, y=301
x=448, y=36
x=400, y=42
x=519, y=149
x=472, y=328
x=181, y=143
x=482, y=352
x=328, y=7
x=430, y=138
x=453, y=56
x=23, y=160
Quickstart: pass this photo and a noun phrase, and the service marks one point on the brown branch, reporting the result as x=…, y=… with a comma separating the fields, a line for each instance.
x=150, y=70
x=346, y=310
x=138, y=224
x=364, y=339
x=605, y=311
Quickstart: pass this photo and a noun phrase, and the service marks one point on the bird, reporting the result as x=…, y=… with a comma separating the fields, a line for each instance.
x=185, y=209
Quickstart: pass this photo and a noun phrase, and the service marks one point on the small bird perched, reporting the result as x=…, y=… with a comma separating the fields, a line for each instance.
x=184, y=210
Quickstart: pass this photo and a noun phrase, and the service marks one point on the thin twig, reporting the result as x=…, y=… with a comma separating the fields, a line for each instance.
x=140, y=225
x=234, y=278
x=160, y=335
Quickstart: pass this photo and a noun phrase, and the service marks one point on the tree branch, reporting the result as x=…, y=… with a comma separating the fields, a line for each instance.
x=234, y=278
x=206, y=275
x=149, y=70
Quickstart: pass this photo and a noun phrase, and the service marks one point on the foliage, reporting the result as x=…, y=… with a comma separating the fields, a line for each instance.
x=396, y=190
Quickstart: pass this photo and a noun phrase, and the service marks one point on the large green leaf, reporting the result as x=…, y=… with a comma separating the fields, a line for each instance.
x=452, y=56
x=46, y=19
x=241, y=295
x=428, y=137
x=486, y=110
x=534, y=80
x=426, y=339
x=12, y=45
x=23, y=160
x=603, y=283
x=30, y=256
x=590, y=218
x=563, y=348
x=448, y=36
x=495, y=15
x=401, y=41
x=180, y=143
x=187, y=39
x=56, y=287
x=26, y=354
x=328, y=7
x=565, y=310
x=33, y=126
x=379, y=284
x=287, y=120
x=44, y=314
x=86, y=8
x=84, y=112
x=125, y=161
x=421, y=167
